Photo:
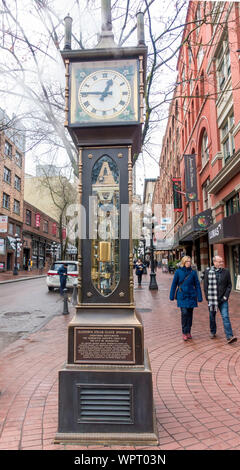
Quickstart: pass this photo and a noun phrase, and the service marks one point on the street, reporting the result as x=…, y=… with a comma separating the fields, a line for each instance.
x=195, y=383
x=26, y=306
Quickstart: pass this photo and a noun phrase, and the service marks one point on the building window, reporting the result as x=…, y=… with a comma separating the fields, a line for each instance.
x=232, y=205
x=7, y=175
x=28, y=217
x=200, y=56
x=17, y=183
x=8, y=149
x=204, y=149
x=45, y=226
x=198, y=18
x=205, y=195
x=18, y=230
x=223, y=65
x=227, y=138
x=16, y=207
x=19, y=159
x=10, y=228
x=6, y=201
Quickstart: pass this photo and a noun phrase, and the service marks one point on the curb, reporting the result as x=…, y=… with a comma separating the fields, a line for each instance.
x=22, y=279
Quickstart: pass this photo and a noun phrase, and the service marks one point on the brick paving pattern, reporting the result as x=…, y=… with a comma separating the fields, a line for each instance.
x=196, y=383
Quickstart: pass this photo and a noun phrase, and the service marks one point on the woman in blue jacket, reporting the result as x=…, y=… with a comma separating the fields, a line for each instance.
x=187, y=286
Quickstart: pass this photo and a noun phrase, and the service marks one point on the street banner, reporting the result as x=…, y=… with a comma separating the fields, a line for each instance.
x=177, y=198
x=37, y=220
x=190, y=177
x=54, y=228
x=3, y=223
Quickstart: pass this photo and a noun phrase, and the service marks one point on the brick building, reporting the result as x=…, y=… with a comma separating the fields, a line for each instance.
x=12, y=148
x=38, y=233
x=204, y=120
x=36, y=230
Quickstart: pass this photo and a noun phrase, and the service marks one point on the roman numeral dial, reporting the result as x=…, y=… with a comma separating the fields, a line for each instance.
x=104, y=94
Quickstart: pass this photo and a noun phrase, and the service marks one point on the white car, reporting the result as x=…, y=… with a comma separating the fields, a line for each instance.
x=53, y=278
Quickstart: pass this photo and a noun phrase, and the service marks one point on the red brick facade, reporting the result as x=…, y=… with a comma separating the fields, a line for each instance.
x=204, y=119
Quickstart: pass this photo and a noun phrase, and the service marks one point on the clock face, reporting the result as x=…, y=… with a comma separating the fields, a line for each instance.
x=104, y=94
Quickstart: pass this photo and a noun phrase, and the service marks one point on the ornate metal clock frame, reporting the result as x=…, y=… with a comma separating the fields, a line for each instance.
x=105, y=388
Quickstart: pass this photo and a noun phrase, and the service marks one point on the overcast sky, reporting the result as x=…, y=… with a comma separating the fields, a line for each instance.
x=88, y=23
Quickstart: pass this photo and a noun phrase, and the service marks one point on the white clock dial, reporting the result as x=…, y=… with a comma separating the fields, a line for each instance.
x=104, y=94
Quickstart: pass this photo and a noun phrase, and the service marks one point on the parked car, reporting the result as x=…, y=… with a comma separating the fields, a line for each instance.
x=53, y=278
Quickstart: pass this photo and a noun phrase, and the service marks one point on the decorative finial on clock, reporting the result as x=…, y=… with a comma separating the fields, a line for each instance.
x=106, y=35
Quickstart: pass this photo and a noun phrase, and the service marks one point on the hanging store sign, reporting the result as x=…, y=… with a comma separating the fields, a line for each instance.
x=177, y=197
x=3, y=223
x=37, y=220
x=190, y=177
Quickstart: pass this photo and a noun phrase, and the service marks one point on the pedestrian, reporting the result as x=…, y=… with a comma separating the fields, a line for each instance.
x=186, y=290
x=29, y=265
x=62, y=271
x=217, y=288
x=139, y=271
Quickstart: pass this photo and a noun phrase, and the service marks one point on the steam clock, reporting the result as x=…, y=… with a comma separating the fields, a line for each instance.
x=105, y=388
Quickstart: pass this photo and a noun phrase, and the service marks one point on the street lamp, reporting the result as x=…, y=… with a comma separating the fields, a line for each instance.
x=150, y=220
x=54, y=248
x=18, y=244
x=153, y=283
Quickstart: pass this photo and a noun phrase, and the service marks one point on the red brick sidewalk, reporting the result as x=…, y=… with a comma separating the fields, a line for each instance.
x=9, y=276
x=196, y=383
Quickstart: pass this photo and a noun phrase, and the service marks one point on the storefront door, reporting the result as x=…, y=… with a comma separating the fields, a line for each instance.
x=236, y=263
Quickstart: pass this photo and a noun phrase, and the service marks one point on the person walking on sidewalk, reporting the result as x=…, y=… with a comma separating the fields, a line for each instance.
x=139, y=271
x=186, y=289
x=62, y=271
x=217, y=288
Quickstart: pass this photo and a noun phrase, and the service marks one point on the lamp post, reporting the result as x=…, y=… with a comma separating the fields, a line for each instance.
x=153, y=283
x=54, y=248
x=150, y=220
x=18, y=244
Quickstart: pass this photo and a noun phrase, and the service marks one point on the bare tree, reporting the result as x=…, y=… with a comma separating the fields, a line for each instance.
x=32, y=71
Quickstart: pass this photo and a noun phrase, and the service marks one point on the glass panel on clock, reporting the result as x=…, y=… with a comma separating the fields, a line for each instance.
x=105, y=249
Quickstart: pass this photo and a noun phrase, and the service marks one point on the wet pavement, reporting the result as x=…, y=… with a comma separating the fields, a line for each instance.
x=25, y=307
x=196, y=383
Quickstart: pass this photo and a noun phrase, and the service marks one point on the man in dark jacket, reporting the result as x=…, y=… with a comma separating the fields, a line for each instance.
x=62, y=271
x=217, y=288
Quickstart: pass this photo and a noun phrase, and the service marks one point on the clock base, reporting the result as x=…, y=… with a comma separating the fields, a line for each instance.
x=107, y=405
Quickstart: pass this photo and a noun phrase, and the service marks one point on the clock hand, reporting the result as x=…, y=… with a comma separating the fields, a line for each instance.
x=106, y=92
x=95, y=93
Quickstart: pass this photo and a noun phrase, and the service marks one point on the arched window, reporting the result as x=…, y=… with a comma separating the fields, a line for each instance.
x=204, y=148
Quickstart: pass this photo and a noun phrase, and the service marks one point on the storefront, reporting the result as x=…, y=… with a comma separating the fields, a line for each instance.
x=227, y=232
x=194, y=237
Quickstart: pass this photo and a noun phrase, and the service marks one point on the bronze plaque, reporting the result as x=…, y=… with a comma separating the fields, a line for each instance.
x=104, y=345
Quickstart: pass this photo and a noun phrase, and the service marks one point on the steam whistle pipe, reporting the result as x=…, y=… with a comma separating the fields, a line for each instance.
x=68, y=32
x=140, y=28
x=106, y=15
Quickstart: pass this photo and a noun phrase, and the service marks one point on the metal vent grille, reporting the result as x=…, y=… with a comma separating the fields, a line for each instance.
x=105, y=404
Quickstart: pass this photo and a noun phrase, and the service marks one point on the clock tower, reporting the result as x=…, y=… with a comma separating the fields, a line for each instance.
x=105, y=388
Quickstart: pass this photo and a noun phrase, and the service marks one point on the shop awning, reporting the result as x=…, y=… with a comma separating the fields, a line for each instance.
x=196, y=226
x=226, y=230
